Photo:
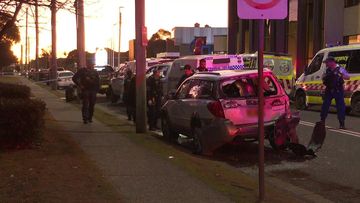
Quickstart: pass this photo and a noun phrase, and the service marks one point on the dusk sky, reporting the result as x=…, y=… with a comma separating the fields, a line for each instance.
x=102, y=18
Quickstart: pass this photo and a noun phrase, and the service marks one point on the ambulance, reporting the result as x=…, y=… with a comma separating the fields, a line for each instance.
x=280, y=64
x=213, y=63
x=309, y=87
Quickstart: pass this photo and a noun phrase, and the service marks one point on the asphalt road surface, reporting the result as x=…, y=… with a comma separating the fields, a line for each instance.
x=333, y=174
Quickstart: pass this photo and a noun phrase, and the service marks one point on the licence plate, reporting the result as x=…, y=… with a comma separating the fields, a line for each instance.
x=104, y=86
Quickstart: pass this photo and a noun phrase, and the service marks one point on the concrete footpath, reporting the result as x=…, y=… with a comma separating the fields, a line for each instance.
x=137, y=174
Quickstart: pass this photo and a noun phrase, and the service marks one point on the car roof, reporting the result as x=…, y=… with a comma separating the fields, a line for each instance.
x=341, y=48
x=65, y=71
x=218, y=75
x=198, y=57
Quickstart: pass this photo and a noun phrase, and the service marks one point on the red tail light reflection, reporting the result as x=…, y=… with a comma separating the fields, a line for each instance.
x=216, y=109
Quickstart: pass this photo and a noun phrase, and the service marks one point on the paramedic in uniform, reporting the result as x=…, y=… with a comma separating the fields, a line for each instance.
x=333, y=79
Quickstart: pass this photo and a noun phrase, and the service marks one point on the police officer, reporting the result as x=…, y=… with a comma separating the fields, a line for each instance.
x=187, y=73
x=333, y=79
x=127, y=98
x=87, y=79
x=154, y=96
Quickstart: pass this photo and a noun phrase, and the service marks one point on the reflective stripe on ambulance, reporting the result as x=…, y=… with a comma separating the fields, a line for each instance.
x=350, y=86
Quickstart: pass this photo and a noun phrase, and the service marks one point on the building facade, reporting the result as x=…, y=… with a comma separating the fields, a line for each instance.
x=310, y=26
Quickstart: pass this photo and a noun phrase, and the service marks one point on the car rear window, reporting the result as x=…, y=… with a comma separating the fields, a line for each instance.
x=243, y=87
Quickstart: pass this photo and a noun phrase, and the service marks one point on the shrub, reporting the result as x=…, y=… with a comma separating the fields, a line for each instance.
x=14, y=91
x=21, y=121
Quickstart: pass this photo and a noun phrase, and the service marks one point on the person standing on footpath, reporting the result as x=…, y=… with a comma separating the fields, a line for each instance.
x=333, y=79
x=87, y=79
x=128, y=97
x=154, y=95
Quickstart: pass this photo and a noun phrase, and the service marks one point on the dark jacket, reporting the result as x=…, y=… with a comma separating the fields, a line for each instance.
x=333, y=80
x=87, y=79
x=129, y=90
x=154, y=88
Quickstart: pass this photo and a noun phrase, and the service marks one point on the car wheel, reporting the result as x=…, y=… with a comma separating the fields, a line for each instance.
x=300, y=100
x=168, y=133
x=355, y=105
x=108, y=93
x=276, y=142
x=197, y=143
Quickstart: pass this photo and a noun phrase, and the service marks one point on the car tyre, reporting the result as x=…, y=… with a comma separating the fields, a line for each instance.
x=355, y=105
x=168, y=134
x=197, y=143
x=272, y=140
x=300, y=100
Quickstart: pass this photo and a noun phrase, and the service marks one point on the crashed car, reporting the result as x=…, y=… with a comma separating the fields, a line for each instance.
x=215, y=108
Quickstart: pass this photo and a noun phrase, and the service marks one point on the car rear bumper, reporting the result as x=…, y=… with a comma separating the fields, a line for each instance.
x=220, y=131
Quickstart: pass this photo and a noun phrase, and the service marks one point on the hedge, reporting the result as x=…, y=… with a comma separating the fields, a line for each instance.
x=14, y=91
x=21, y=121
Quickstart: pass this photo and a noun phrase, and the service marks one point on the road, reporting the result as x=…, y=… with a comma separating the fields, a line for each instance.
x=333, y=174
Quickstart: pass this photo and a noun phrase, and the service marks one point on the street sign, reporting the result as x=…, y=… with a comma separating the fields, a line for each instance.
x=262, y=9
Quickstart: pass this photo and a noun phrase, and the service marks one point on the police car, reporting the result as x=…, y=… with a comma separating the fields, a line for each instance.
x=309, y=87
x=214, y=62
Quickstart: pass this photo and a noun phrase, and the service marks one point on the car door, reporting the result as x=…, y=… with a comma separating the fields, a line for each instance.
x=174, y=105
x=313, y=83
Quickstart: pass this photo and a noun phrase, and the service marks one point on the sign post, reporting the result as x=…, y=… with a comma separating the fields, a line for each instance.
x=261, y=10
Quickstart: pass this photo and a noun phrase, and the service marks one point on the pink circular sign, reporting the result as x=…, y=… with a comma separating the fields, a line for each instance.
x=262, y=6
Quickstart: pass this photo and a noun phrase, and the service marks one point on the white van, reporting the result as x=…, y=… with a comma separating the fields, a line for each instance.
x=309, y=87
x=213, y=63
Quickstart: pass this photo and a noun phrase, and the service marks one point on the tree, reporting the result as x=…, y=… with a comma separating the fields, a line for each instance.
x=10, y=36
x=9, y=10
x=157, y=42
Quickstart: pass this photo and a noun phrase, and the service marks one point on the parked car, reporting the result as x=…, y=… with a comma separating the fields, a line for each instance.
x=117, y=81
x=310, y=87
x=215, y=108
x=213, y=63
x=105, y=74
x=64, y=79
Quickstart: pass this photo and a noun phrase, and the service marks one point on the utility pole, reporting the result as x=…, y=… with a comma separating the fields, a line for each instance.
x=26, y=41
x=21, y=58
x=53, y=68
x=120, y=22
x=37, y=35
x=81, y=34
x=141, y=40
x=261, y=110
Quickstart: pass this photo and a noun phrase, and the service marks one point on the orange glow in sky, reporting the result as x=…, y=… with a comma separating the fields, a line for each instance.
x=101, y=22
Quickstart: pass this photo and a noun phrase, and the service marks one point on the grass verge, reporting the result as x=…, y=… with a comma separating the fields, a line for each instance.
x=56, y=170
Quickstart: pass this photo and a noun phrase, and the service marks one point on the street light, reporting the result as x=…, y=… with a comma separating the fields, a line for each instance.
x=120, y=22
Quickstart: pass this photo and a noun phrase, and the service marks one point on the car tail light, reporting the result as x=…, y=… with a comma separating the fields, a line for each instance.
x=216, y=109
